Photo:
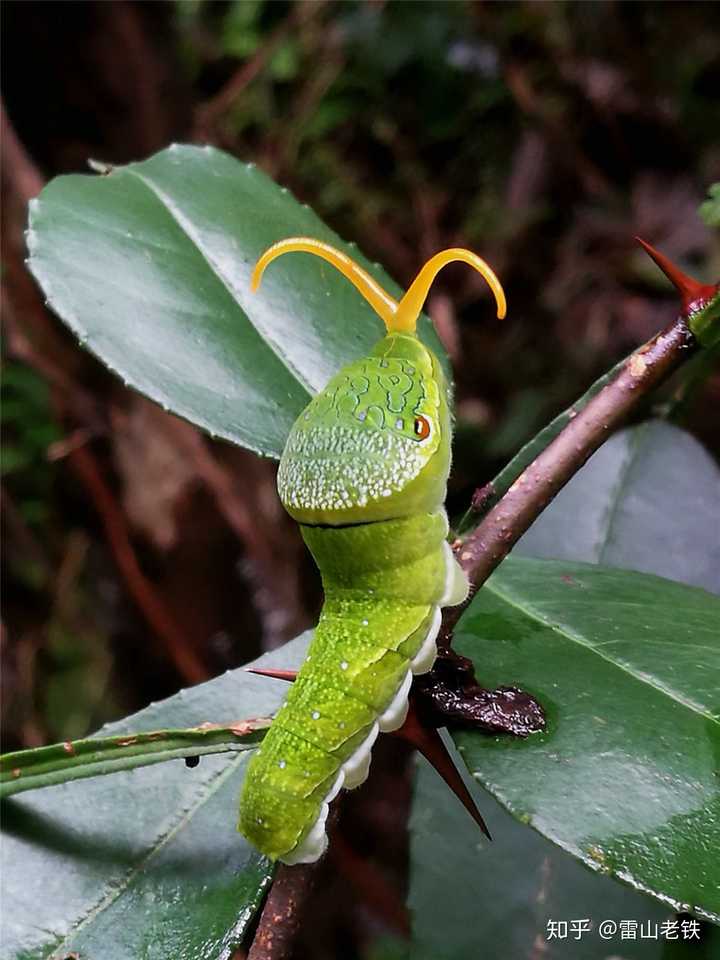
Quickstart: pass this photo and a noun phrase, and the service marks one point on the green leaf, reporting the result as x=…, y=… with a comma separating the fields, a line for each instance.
x=705, y=322
x=710, y=208
x=144, y=863
x=150, y=265
x=626, y=666
x=647, y=500
x=470, y=898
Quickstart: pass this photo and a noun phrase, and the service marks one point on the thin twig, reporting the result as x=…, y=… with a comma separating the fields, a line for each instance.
x=280, y=920
x=282, y=914
x=491, y=541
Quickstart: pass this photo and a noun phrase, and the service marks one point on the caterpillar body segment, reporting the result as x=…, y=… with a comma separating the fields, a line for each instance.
x=354, y=682
x=364, y=472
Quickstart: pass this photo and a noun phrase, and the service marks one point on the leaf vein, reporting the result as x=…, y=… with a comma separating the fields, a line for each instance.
x=574, y=637
x=182, y=221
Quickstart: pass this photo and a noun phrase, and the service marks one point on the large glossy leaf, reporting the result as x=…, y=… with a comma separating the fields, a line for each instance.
x=471, y=898
x=150, y=263
x=648, y=500
x=627, y=667
x=144, y=864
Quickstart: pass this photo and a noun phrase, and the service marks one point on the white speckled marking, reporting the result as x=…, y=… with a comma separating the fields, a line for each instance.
x=338, y=468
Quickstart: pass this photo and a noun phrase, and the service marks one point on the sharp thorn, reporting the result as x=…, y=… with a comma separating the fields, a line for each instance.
x=288, y=675
x=693, y=294
x=430, y=744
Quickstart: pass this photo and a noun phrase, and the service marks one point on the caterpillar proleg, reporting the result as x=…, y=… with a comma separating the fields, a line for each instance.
x=364, y=473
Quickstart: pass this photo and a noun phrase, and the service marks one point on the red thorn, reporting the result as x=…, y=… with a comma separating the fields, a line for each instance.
x=288, y=675
x=692, y=293
x=430, y=744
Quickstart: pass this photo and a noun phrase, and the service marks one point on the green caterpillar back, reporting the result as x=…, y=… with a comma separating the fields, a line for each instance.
x=364, y=472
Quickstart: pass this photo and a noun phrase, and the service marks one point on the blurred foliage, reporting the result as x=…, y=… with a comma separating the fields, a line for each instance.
x=73, y=660
x=710, y=209
x=28, y=429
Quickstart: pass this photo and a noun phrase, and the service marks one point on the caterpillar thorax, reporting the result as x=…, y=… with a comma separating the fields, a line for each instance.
x=364, y=472
x=374, y=444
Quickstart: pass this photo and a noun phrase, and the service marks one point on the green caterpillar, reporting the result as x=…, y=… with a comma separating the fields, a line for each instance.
x=364, y=472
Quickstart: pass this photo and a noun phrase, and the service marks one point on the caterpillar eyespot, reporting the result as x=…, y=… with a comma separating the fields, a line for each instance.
x=421, y=427
x=360, y=486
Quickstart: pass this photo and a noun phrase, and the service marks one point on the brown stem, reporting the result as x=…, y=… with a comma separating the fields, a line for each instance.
x=158, y=616
x=491, y=541
x=280, y=920
x=283, y=911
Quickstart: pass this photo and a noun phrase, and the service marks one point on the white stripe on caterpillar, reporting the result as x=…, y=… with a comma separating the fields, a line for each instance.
x=456, y=582
x=356, y=767
x=424, y=659
x=393, y=717
x=314, y=845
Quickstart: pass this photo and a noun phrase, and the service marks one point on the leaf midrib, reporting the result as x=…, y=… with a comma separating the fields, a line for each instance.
x=117, y=890
x=184, y=225
x=566, y=631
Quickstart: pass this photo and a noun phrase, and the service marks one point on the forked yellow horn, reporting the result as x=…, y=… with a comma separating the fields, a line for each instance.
x=381, y=302
x=397, y=317
x=412, y=303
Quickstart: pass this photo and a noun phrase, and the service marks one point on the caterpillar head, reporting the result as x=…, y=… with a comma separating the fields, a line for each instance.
x=375, y=444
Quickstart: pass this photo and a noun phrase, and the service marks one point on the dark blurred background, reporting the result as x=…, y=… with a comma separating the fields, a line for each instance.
x=139, y=556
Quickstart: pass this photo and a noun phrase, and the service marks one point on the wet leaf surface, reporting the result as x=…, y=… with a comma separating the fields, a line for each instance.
x=145, y=863
x=472, y=898
x=150, y=265
x=647, y=500
x=626, y=667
